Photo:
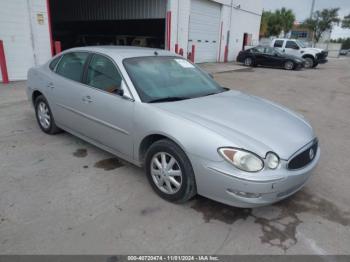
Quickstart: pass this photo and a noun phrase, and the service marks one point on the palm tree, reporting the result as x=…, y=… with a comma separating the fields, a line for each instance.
x=286, y=18
x=346, y=22
x=322, y=21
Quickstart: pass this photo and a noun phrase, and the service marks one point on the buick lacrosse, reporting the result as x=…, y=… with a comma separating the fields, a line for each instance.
x=159, y=111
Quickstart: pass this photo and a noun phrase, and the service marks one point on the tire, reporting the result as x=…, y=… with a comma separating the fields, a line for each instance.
x=315, y=65
x=248, y=61
x=44, y=116
x=289, y=65
x=309, y=62
x=180, y=170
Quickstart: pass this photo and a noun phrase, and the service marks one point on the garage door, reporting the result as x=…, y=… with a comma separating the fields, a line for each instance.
x=204, y=31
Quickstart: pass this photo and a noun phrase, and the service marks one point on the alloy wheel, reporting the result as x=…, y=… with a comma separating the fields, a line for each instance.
x=44, y=115
x=289, y=65
x=309, y=62
x=166, y=173
x=248, y=61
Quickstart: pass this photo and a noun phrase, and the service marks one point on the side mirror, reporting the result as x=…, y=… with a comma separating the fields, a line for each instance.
x=120, y=90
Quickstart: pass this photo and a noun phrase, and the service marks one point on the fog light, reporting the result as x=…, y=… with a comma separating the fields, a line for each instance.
x=243, y=194
x=272, y=160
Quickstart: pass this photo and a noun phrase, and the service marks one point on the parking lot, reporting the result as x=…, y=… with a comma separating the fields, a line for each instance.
x=60, y=195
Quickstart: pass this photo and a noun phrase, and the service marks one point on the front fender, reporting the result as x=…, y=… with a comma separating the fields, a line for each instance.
x=192, y=138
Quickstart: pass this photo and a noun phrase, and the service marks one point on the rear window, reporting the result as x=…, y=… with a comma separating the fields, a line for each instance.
x=71, y=65
x=278, y=43
x=54, y=63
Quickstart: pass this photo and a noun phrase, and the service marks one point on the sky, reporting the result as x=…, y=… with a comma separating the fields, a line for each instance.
x=302, y=10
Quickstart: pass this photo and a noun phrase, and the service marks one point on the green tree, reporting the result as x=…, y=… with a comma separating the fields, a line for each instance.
x=286, y=18
x=272, y=23
x=264, y=23
x=322, y=21
x=346, y=22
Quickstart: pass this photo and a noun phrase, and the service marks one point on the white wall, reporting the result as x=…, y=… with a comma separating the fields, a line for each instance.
x=26, y=43
x=245, y=19
x=41, y=34
x=243, y=22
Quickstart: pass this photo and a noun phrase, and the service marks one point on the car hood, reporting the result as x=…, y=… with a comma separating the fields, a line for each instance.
x=248, y=122
x=314, y=50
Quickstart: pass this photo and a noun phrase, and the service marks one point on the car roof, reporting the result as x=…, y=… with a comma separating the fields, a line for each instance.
x=122, y=52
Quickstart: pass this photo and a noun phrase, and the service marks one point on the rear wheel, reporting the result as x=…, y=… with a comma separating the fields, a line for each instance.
x=248, y=61
x=289, y=65
x=44, y=116
x=309, y=62
x=169, y=172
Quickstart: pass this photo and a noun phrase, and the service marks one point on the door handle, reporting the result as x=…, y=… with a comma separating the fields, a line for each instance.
x=87, y=99
x=50, y=85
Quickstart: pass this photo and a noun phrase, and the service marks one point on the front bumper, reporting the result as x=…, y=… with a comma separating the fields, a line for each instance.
x=221, y=182
x=322, y=57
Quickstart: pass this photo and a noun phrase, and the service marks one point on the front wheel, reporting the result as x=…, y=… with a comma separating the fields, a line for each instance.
x=309, y=62
x=170, y=172
x=289, y=65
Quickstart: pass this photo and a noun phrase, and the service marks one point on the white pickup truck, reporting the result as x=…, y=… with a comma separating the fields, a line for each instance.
x=312, y=56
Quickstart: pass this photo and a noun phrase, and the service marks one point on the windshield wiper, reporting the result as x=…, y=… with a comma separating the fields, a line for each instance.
x=169, y=99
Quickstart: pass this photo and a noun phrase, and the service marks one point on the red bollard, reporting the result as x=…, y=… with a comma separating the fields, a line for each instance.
x=176, y=48
x=3, y=66
x=181, y=52
x=58, y=47
x=193, y=53
x=226, y=54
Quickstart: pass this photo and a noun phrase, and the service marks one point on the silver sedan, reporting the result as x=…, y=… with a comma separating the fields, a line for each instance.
x=157, y=110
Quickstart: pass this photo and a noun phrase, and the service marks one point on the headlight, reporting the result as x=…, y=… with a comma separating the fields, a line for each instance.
x=241, y=159
x=272, y=160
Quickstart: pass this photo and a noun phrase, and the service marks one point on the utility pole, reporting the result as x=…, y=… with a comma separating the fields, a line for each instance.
x=311, y=14
x=312, y=8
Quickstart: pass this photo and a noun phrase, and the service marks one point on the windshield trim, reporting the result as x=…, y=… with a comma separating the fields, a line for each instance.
x=301, y=44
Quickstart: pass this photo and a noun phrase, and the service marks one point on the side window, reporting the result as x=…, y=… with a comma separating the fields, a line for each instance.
x=292, y=45
x=103, y=74
x=54, y=63
x=71, y=65
x=278, y=43
x=259, y=50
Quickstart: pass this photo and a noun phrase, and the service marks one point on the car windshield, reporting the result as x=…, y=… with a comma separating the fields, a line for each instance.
x=164, y=79
x=301, y=44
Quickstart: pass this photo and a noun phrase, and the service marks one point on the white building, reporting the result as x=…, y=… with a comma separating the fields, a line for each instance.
x=215, y=30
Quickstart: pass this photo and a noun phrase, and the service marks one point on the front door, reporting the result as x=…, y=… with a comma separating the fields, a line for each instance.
x=291, y=48
x=110, y=115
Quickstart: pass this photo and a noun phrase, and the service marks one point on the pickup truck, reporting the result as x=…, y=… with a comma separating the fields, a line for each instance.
x=312, y=56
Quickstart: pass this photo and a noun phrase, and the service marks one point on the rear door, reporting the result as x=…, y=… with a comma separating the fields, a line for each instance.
x=258, y=53
x=66, y=89
x=110, y=115
x=279, y=44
